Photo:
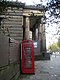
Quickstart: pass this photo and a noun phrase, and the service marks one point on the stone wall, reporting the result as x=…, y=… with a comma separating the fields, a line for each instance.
x=9, y=58
x=11, y=24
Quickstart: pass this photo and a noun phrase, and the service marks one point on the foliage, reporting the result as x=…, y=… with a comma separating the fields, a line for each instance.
x=58, y=42
x=53, y=10
x=53, y=47
x=53, y=16
x=54, y=7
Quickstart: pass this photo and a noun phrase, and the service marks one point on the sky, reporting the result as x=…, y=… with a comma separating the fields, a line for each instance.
x=31, y=2
x=51, y=35
x=52, y=29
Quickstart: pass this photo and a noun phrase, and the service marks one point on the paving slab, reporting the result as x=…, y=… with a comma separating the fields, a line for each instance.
x=45, y=69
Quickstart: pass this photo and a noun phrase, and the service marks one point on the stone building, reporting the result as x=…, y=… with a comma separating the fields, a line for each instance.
x=19, y=21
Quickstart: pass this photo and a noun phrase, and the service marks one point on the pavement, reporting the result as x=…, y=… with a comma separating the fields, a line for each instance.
x=45, y=69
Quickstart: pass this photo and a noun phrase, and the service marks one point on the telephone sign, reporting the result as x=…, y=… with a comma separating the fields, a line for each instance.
x=27, y=56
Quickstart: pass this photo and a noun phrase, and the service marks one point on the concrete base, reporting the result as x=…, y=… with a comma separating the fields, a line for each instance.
x=45, y=56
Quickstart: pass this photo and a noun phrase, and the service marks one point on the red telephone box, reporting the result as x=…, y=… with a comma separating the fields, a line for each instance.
x=27, y=56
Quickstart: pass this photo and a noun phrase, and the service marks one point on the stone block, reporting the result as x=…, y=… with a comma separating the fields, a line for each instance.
x=4, y=50
x=14, y=51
